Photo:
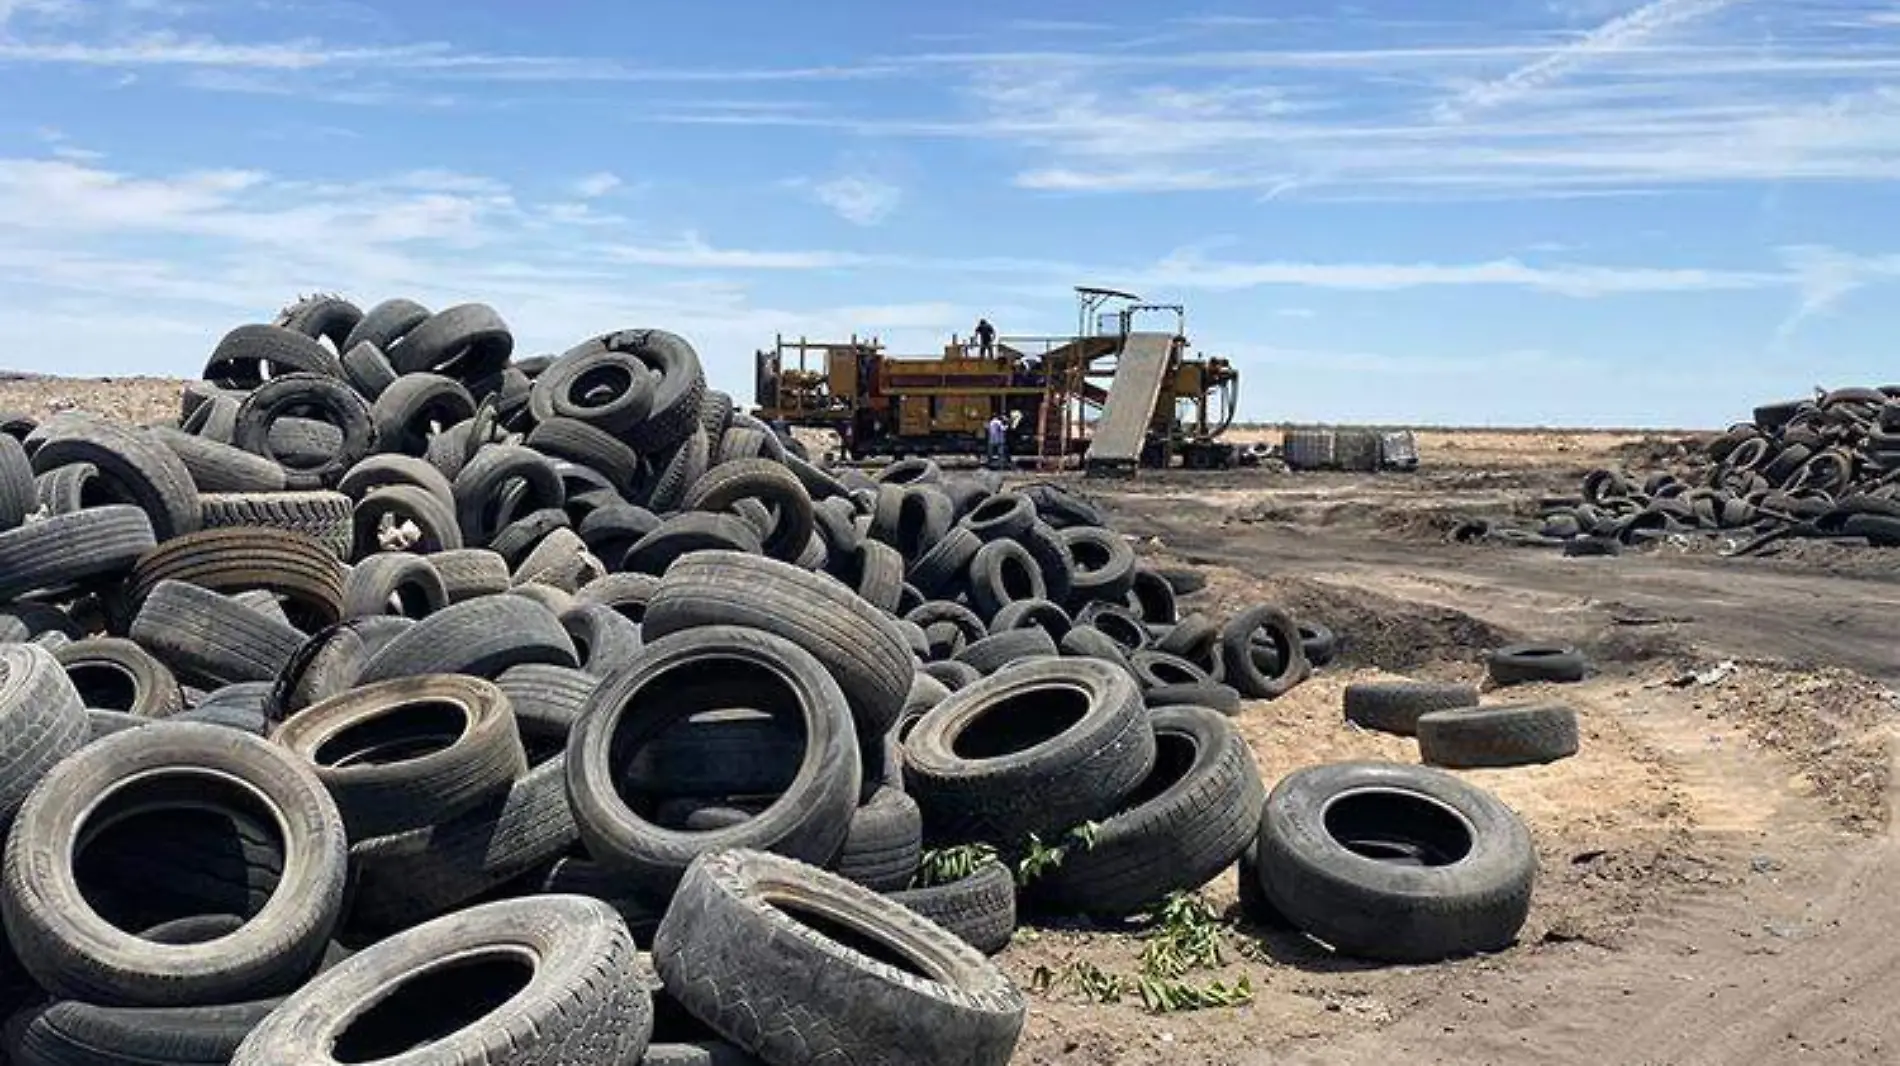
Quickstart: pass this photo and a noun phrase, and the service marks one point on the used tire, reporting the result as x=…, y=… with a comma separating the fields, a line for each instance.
x=1397, y=863
x=1001, y=573
x=394, y=583
x=341, y=407
x=980, y=909
x=73, y=952
x=545, y=981
x=294, y=567
x=42, y=720
x=1395, y=706
x=885, y=840
x=610, y=390
x=745, y=948
x=1104, y=564
x=60, y=551
x=135, y=469
x=1040, y=748
x=327, y=516
x=677, y=393
x=855, y=642
x=685, y=673
x=480, y=637
x=1517, y=664
x=111, y=674
x=1243, y=671
x=212, y=640
x=1194, y=814
x=690, y=533
x=1508, y=735
x=998, y=650
x=766, y=481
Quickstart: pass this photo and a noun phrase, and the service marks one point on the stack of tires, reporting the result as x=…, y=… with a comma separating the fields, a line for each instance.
x=406, y=693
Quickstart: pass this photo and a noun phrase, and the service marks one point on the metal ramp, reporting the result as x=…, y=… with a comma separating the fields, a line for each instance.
x=1115, y=447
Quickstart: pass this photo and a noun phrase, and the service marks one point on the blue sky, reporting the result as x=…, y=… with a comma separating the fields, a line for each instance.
x=1488, y=211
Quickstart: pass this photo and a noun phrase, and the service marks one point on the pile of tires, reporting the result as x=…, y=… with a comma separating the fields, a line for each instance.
x=1826, y=467
x=406, y=693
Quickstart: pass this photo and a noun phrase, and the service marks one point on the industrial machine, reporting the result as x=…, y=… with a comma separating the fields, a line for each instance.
x=1117, y=393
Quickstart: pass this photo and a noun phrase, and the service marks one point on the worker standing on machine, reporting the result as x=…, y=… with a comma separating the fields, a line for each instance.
x=985, y=338
x=998, y=458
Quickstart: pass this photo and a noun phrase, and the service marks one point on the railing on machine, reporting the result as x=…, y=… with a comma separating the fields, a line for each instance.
x=1055, y=416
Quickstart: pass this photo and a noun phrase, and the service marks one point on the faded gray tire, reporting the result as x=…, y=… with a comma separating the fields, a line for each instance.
x=409, y=877
x=41, y=722
x=854, y=641
x=341, y=407
x=392, y=506
x=139, y=471
x=1505, y=735
x=1039, y=748
x=674, y=678
x=980, y=909
x=1398, y=863
x=1243, y=671
x=1104, y=564
x=394, y=583
x=480, y=637
x=1088, y=642
x=547, y=981
x=885, y=840
x=75, y=953
x=111, y=674
x=688, y=533
x=17, y=497
x=323, y=515
x=212, y=640
x=470, y=573
x=998, y=650
x=742, y=948
x=219, y=467
x=1211, y=695
x=1517, y=664
x=1001, y=573
x=80, y=1034
x=1395, y=706
x=1193, y=815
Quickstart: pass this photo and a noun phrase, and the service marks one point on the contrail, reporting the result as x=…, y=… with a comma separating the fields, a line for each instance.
x=1623, y=32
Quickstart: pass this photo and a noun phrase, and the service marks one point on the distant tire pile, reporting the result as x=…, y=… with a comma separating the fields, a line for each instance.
x=504, y=672
x=1825, y=467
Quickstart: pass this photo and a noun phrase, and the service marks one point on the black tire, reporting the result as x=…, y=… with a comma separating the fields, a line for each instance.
x=998, y=650
x=1183, y=580
x=872, y=569
x=1395, y=706
x=408, y=753
x=1463, y=883
x=1046, y=615
x=367, y=370
x=942, y=571
x=211, y=640
x=1001, y=573
x=341, y=408
x=732, y=951
x=60, y=551
x=690, y=533
x=1198, y=809
x=17, y=496
x=1506, y=735
x=683, y=674
x=1190, y=638
x=610, y=390
x=330, y=662
x=394, y=583
x=329, y=318
x=951, y=674
x=387, y=323
x=1040, y=748
x=1061, y=508
x=242, y=357
x=924, y=516
x=547, y=701
x=1117, y=623
x=579, y=999
x=295, y=568
x=855, y=642
x=465, y=342
x=79, y=1034
x=42, y=720
x=980, y=909
x=543, y=548
x=416, y=407
x=1004, y=516
x=1053, y=556
x=593, y=448
x=1104, y=564
x=111, y=674
x=410, y=877
x=1157, y=668
x=219, y=467
x=1517, y=664
x=968, y=626
x=470, y=573
x=602, y=636
x=609, y=531
x=678, y=470
x=481, y=497
x=885, y=841
x=73, y=952
x=480, y=637
x=327, y=516
x=766, y=481
x=1153, y=598
x=628, y=594
x=1212, y=695
x=677, y=395
x=384, y=510
x=1319, y=643
x=135, y=468
x=1088, y=642
x=1243, y=671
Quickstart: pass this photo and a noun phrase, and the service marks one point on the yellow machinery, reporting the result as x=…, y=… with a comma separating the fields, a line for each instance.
x=1118, y=395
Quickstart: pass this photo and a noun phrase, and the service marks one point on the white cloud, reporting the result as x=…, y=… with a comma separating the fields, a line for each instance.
x=596, y=185
x=1191, y=271
x=859, y=199
x=1825, y=276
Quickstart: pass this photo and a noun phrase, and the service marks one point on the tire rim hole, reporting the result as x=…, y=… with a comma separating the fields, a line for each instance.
x=1090, y=555
x=1402, y=827
x=600, y=386
x=105, y=686
x=175, y=845
x=1174, y=757
x=1021, y=722
x=719, y=705
x=1172, y=673
x=434, y=1005
x=1120, y=629
x=406, y=732
x=409, y=600
x=1017, y=580
x=847, y=935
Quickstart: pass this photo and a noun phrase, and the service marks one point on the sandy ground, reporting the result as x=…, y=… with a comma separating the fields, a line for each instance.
x=1715, y=864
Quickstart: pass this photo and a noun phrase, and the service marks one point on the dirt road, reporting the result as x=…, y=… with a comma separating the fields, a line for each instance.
x=1784, y=951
